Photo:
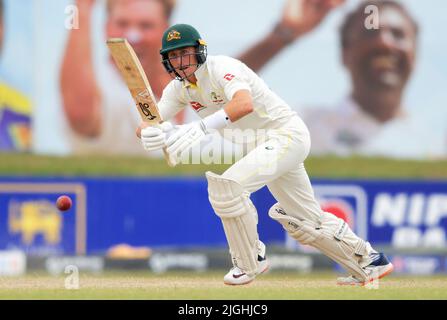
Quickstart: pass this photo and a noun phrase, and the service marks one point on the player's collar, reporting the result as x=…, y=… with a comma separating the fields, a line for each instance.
x=199, y=75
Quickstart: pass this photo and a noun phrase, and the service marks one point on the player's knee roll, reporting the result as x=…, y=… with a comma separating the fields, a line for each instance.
x=227, y=196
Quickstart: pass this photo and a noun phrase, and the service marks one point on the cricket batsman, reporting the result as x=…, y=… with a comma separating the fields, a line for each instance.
x=228, y=96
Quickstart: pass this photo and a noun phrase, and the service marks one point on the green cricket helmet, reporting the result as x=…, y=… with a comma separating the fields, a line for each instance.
x=181, y=36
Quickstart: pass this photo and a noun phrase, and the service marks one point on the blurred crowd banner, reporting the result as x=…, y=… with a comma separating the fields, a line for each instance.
x=369, y=82
x=176, y=213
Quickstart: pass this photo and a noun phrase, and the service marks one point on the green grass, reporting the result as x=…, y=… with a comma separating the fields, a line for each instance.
x=361, y=167
x=209, y=286
x=27, y=164
x=328, y=167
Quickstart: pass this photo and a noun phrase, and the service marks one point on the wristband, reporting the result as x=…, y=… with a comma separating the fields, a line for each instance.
x=217, y=120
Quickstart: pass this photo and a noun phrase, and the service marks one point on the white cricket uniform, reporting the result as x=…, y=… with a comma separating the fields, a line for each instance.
x=277, y=161
x=347, y=129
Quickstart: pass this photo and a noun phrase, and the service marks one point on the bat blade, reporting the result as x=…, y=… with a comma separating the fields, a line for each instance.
x=133, y=74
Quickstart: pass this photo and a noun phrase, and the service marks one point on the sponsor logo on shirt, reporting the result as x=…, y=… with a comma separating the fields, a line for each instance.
x=229, y=76
x=196, y=105
x=215, y=98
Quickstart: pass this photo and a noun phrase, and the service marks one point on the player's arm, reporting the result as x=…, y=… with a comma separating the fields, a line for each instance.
x=239, y=106
x=81, y=97
x=298, y=18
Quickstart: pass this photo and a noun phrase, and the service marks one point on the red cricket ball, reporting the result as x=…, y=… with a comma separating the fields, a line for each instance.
x=63, y=203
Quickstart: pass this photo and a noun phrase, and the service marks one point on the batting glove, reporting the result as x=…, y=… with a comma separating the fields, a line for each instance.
x=184, y=138
x=154, y=137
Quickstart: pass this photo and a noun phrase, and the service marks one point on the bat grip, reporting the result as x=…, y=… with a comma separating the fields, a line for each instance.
x=171, y=162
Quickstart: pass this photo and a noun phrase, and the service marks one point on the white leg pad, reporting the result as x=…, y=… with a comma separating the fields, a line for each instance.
x=333, y=237
x=239, y=218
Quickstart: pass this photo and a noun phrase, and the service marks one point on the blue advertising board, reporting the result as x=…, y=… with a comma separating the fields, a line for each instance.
x=175, y=212
x=29, y=219
x=106, y=212
x=398, y=213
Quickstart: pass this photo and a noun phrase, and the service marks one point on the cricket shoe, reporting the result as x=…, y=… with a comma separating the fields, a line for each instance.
x=237, y=276
x=377, y=269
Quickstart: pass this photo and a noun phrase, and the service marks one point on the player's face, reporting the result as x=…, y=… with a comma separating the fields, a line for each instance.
x=142, y=22
x=184, y=61
x=382, y=59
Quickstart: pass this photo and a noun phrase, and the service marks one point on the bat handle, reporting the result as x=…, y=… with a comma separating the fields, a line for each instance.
x=171, y=162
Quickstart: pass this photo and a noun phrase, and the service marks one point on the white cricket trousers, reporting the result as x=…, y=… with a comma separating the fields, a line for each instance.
x=279, y=164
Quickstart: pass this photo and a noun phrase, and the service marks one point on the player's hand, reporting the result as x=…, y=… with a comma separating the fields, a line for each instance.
x=302, y=16
x=154, y=137
x=184, y=138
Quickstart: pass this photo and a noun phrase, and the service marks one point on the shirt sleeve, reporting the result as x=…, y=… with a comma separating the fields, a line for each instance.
x=170, y=103
x=231, y=76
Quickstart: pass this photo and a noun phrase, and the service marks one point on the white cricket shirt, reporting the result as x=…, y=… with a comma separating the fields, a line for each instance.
x=218, y=79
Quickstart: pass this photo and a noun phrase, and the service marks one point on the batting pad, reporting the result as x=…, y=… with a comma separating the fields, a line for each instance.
x=333, y=237
x=239, y=218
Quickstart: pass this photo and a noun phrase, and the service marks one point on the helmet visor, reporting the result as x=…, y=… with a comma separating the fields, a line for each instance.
x=182, y=66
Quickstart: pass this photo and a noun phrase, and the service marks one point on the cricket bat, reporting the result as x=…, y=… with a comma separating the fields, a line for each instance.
x=136, y=80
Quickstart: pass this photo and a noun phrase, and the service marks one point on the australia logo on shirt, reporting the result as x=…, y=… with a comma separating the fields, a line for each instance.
x=215, y=98
x=196, y=106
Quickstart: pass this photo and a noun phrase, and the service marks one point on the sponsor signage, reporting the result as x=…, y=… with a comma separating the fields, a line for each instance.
x=418, y=265
x=162, y=262
x=30, y=220
x=59, y=265
x=12, y=263
x=401, y=214
x=159, y=212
